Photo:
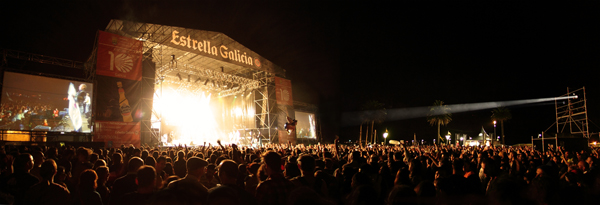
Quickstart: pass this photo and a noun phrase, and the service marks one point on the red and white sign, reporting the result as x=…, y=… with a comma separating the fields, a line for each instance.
x=283, y=91
x=119, y=56
x=116, y=134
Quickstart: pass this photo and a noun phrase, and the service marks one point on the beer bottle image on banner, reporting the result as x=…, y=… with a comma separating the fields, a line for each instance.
x=124, y=104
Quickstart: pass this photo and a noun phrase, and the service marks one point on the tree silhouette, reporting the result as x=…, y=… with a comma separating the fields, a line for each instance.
x=439, y=114
x=372, y=112
x=501, y=114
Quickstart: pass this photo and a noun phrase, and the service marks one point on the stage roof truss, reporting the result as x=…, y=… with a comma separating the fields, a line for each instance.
x=171, y=60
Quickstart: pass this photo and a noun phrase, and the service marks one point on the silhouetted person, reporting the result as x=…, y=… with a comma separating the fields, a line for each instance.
x=275, y=189
x=180, y=165
x=146, y=177
x=21, y=180
x=190, y=184
x=229, y=192
x=307, y=178
x=48, y=192
x=126, y=183
x=87, y=189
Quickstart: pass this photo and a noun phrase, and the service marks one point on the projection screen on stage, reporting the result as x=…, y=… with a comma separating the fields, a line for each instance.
x=306, y=125
x=39, y=103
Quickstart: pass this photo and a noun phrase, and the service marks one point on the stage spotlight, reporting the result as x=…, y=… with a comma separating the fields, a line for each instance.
x=179, y=76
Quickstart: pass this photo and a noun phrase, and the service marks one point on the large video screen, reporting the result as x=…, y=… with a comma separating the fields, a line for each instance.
x=39, y=103
x=306, y=125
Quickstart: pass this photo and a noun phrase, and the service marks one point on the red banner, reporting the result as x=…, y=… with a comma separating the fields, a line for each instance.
x=119, y=56
x=283, y=91
x=116, y=134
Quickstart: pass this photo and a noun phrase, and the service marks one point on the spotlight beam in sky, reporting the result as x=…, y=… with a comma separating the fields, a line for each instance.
x=355, y=118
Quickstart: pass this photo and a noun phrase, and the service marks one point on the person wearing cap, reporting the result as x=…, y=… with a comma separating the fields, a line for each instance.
x=196, y=167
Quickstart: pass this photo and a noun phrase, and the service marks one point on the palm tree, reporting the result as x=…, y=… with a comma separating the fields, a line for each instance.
x=501, y=114
x=373, y=112
x=439, y=114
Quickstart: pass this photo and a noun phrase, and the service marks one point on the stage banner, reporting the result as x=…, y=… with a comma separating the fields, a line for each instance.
x=115, y=134
x=119, y=56
x=118, y=90
x=283, y=91
x=118, y=99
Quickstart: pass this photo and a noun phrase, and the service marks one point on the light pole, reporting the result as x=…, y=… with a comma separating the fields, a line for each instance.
x=385, y=134
x=494, y=131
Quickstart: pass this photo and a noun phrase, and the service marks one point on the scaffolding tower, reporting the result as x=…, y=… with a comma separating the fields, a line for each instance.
x=572, y=113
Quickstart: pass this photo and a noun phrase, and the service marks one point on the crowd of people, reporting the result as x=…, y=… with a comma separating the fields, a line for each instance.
x=24, y=115
x=298, y=174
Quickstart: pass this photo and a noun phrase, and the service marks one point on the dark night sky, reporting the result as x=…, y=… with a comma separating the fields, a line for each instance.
x=339, y=54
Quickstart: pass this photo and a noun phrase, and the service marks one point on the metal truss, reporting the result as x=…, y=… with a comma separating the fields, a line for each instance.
x=195, y=78
x=20, y=55
x=265, y=104
x=572, y=112
x=41, y=59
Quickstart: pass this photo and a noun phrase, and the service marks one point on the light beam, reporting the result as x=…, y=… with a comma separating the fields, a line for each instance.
x=354, y=118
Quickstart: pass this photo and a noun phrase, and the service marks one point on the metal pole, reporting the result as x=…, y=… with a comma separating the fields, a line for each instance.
x=556, y=139
x=375, y=137
x=360, y=135
x=587, y=127
x=543, y=146
x=415, y=138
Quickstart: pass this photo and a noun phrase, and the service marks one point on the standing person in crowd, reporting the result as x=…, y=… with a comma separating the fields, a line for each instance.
x=102, y=189
x=87, y=194
x=306, y=163
x=229, y=192
x=127, y=183
x=179, y=165
x=48, y=192
x=190, y=184
x=82, y=163
x=209, y=180
x=146, y=177
x=161, y=175
x=276, y=188
x=21, y=180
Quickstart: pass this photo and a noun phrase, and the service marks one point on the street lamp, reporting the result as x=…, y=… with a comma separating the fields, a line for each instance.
x=494, y=128
x=385, y=134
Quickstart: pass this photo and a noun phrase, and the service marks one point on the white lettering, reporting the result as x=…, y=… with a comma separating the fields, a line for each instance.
x=175, y=36
x=224, y=55
x=182, y=41
x=188, y=41
x=214, y=50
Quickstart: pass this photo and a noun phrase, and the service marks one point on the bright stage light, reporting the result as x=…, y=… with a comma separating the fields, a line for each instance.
x=191, y=114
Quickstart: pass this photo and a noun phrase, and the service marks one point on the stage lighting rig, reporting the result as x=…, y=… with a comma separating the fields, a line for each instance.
x=179, y=76
x=205, y=82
